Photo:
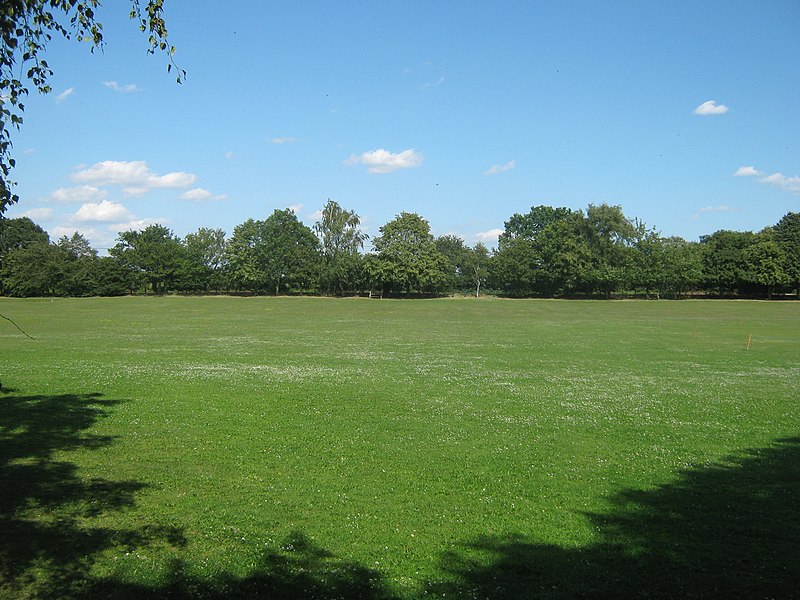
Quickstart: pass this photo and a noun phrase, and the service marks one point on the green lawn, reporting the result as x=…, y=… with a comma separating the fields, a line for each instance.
x=311, y=447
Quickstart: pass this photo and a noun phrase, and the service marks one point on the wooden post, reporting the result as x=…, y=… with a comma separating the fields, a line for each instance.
x=749, y=337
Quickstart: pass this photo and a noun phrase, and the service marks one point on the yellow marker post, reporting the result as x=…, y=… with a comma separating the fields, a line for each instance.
x=749, y=337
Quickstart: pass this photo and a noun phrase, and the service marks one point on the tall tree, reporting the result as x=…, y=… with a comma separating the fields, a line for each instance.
x=468, y=267
x=16, y=233
x=457, y=253
x=26, y=28
x=514, y=267
x=406, y=258
x=545, y=252
x=724, y=262
x=682, y=266
x=477, y=266
x=787, y=235
x=766, y=264
x=241, y=259
x=206, y=254
x=610, y=236
x=341, y=241
x=38, y=269
x=529, y=225
x=564, y=257
x=80, y=276
x=77, y=246
x=276, y=254
x=288, y=253
x=155, y=253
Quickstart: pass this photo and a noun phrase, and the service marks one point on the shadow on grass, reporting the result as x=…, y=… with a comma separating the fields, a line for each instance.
x=300, y=570
x=725, y=530
x=730, y=530
x=48, y=545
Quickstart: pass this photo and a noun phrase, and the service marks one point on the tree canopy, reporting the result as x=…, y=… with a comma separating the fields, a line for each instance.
x=406, y=258
x=549, y=252
x=341, y=242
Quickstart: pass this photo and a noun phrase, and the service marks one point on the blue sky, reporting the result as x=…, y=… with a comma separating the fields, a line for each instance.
x=687, y=114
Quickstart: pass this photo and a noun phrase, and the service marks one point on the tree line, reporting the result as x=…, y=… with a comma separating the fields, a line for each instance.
x=546, y=252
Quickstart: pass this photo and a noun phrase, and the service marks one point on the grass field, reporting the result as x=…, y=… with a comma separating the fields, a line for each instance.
x=307, y=447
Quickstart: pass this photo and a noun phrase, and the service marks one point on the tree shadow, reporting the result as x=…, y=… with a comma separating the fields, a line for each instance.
x=48, y=545
x=729, y=530
x=300, y=569
x=726, y=530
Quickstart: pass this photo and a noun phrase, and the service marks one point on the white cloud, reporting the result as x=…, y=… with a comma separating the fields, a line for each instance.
x=81, y=193
x=135, y=191
x=38, y=214
x=720, y=208
x=296, y=208
x=779, y=180
x=64, y=95
x=711, y=107
x=383, y=161
x=494, y=169
x=790, y=184
x=432, y=84
x=489, y=236
x=713, y=209
x=135, y=175
x=283, y=140
x=125, y=89
x=99, y=238
x=316, y=215
x=103, y=211
x=65, y=230
x=200, y=194
x=746, y=172
x=134, y=224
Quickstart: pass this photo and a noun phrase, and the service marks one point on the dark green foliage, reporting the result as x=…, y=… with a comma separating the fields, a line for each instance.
x=767, y=264
x=241, y=258
x=724, y=260
x=406, y=258
x=77, y=246
x=288, y=254
x=38, y=269
x=112, y=279
x=548, y=253
x=16, y=233
x=206, y=255
x=678, y=266
x=457, y=253
x=787, y=235
x=551, y=256
x=276, y=255
x=155, y=256
x=610, y=237
x=563, y=257
x=514, y=268
x=530, y=225
x=468, y=267
x=341, y=242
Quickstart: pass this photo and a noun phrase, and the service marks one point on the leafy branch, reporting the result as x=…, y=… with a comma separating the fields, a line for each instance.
x=26, y=29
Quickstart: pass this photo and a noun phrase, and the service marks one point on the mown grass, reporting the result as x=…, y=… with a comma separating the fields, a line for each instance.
x=359, y=448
